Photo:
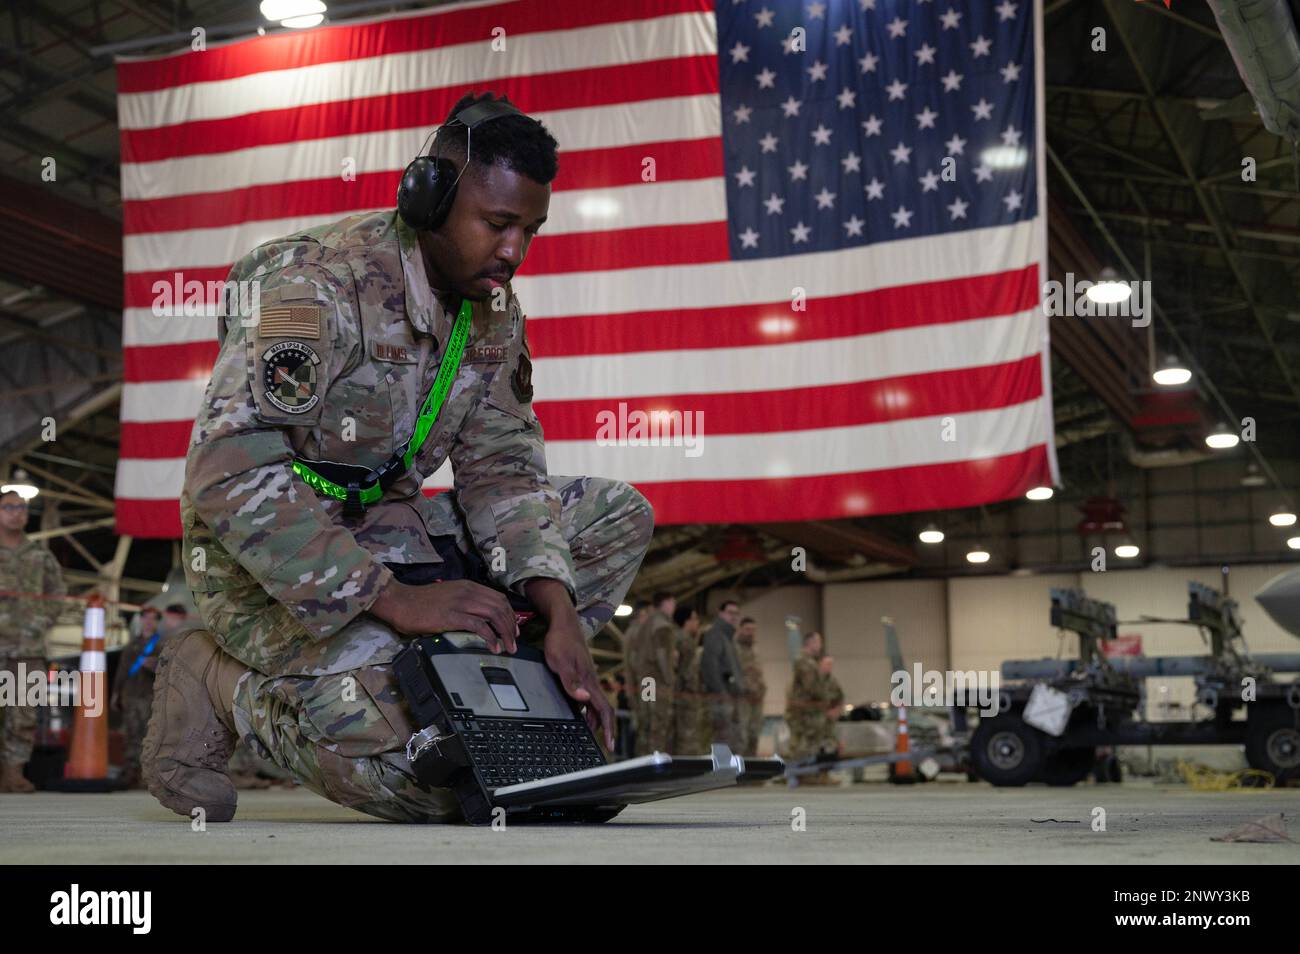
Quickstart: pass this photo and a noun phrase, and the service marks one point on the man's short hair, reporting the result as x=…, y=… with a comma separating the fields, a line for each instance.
x=520, y=142
x=748, y=619
x=177, y=609
x=682, y=614
x=807, y=637
x=13, y=493
x=726, y=603
x=660, y=597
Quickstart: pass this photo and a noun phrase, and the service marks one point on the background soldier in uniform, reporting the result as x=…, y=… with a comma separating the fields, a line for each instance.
x=132, y=695
x=721, y=678
x=307, y=598
x=26, y=567
x=633, y=667
x=690, y=719
x=749, y=706
x=812, y=706
x=658, y=646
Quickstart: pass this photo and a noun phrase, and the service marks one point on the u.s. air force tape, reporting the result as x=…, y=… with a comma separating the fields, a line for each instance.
x=290, y=378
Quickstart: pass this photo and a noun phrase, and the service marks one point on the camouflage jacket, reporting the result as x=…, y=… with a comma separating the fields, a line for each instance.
x=660, y=648
x=346, y=341
x=811, y=692
x=755, y=684
x=688, y=662
x=29, y=568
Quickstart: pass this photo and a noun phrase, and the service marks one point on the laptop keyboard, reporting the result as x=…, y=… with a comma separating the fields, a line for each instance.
x=510, y=751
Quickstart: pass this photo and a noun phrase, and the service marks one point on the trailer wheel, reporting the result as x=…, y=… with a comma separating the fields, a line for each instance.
x=1068, y=766
x=1273, y=741
x=1006, y=752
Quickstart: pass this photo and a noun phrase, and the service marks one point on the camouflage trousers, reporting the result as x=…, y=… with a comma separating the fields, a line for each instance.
x=137, y=703
x=690, y=727
x=724, y=726
x=749, y=717
x=810, y=734
x=344, y=735
x=654, y=724
x=19, y=729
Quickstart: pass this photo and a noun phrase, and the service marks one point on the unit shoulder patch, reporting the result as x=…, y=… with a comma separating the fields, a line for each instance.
x=291, y=376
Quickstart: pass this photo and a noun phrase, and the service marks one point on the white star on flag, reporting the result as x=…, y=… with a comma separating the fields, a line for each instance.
x=774, y=204
x=749, y=239
x=764, y=17
x=745, y=177
x=902, y=218
x=1006, y=10
x=742, y=113
x=896, y=89
x=843, y=35
x=983, y=173
x=951, y=82
x=929, y=181
x=846, y=98
x=791, y=106
x=983, y=109
x=798, y=170
x=821, y=135
x=875, y=189
x=925, y=54
x=956, y=145
x=800, y=232
x=817, y=71
x=1013, y=200
x=958, y=209
x=951, y=19
x=901, y=153
x=1011, y=136
x=897, y=27
x=981, y=47
x=925, y=118
x=854, y=225
x=825, y=199
x=869, y=63
x=871, y=125
x=851, y=163
x=766, y=79
x=768, y=143
x=1010, y=72
x=739, y=53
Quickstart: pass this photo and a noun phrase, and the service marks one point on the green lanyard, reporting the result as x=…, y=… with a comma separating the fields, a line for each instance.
x=359, y=485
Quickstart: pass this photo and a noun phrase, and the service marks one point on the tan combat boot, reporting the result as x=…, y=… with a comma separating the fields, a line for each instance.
x=191, y=729
x=12, y=780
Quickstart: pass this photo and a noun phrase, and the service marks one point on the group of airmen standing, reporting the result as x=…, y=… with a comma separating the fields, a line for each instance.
x=690, y=686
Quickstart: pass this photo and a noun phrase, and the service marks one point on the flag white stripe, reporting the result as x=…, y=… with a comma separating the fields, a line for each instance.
x=465, y=64
x=593, y=127
x=831, y=450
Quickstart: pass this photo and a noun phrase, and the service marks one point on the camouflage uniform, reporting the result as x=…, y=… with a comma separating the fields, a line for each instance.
x=136, y=694
x=655, y=648
x=811, y=694
x=750, y=705
x=690, y=719
x=29, y=568
x=346, y=346
x=722, y=682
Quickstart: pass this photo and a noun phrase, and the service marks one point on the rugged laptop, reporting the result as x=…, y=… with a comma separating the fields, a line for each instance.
x=500, y=731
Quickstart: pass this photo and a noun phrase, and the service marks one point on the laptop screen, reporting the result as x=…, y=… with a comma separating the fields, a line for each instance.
x=499, y=686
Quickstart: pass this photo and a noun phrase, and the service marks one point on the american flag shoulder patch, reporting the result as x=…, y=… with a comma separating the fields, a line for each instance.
x=289, y=321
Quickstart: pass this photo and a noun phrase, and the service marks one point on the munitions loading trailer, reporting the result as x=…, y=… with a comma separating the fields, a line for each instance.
x=1054, y=714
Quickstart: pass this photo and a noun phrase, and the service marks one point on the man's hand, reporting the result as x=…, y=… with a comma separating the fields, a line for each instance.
x=567, y=654
x=451, y=605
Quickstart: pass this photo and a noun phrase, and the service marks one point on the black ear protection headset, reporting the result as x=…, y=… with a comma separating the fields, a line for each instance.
x=428, y=185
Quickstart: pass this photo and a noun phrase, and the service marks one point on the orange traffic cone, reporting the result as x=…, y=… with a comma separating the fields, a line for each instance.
x=901, y=771
x=87, y=766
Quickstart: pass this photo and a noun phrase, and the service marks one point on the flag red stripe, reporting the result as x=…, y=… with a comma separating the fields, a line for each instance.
x=586, y=169
x=396, y=35
x=838, y=405
x=169, y=362
x=572, y=89
x=736, y=326
x=894, y=490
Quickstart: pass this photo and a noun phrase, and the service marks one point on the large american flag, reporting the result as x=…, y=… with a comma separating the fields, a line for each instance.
x=830, y=243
